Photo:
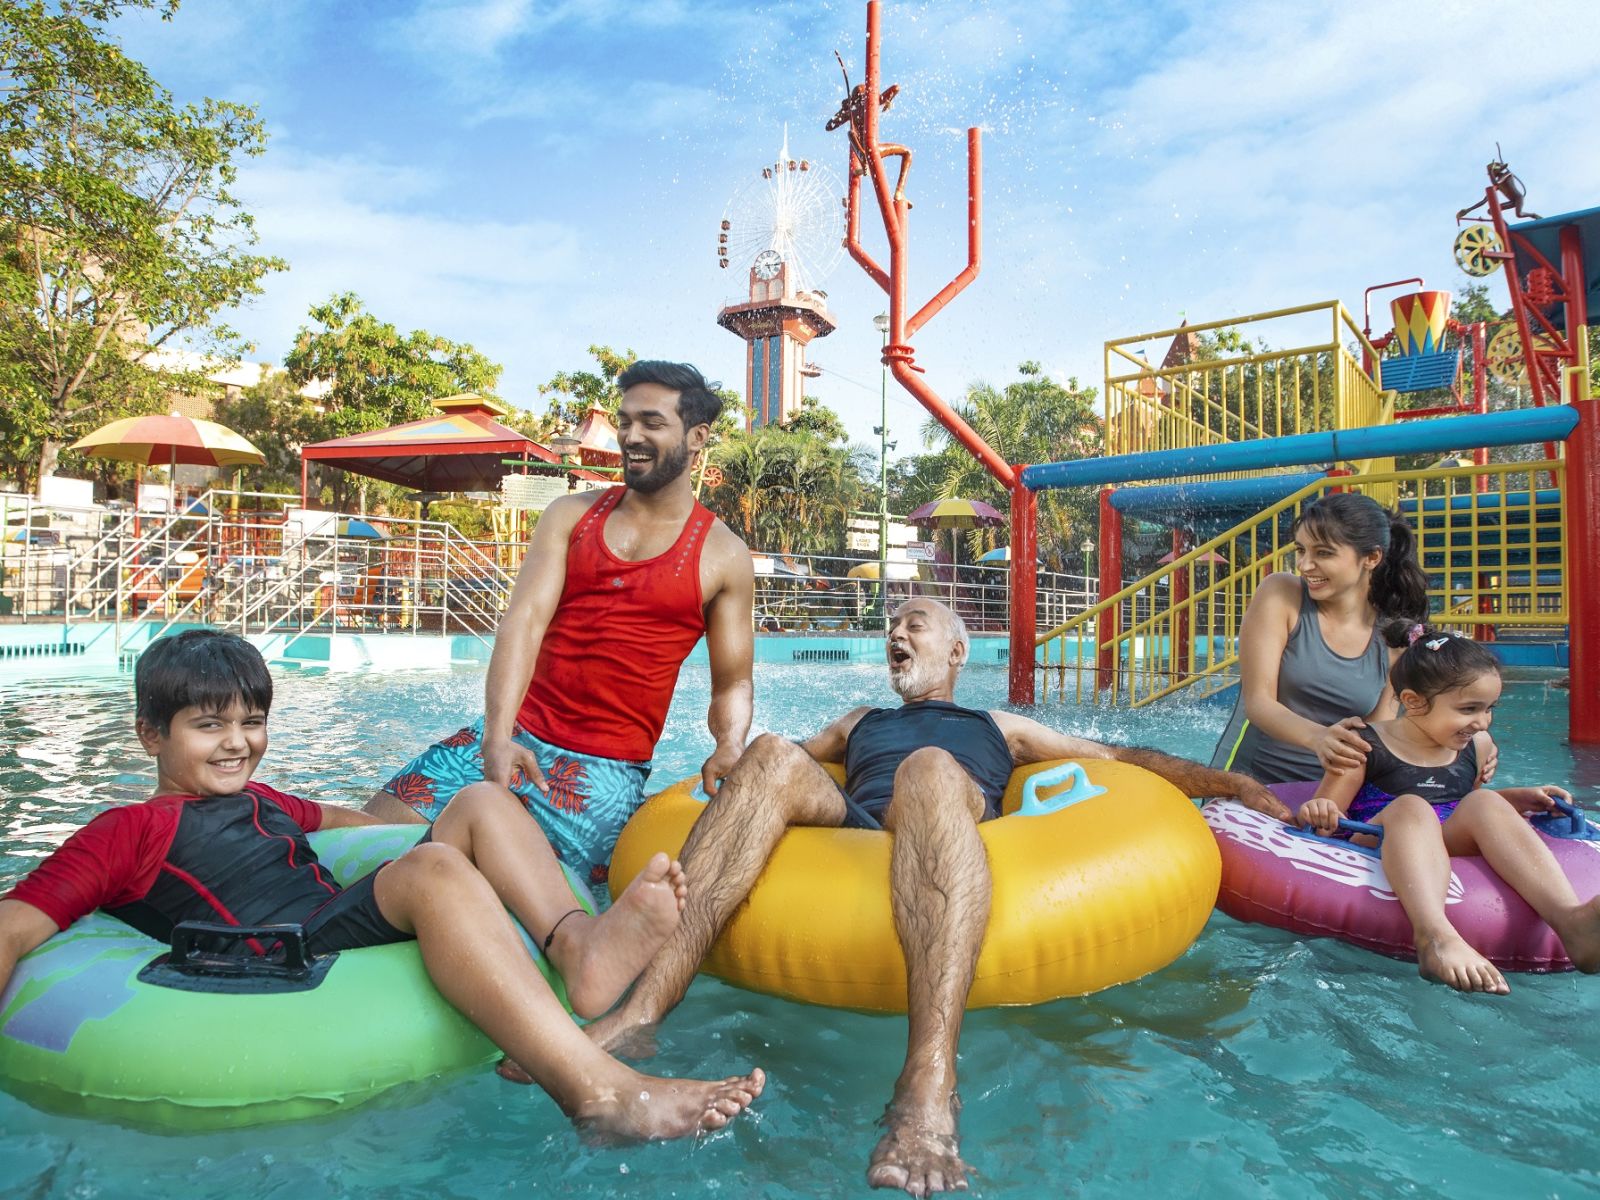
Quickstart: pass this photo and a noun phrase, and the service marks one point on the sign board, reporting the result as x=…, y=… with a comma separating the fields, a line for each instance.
x=862, y=541
x=901, y=535
x=532, y=492
x=864, y=524
x=919, y=551
x=154, y=497
x=73, y=493
x=309, y=522
x=902, y=571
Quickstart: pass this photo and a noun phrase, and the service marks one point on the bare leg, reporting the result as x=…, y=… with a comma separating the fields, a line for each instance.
x=940, y=887
x=598, y=957
x=1484, y=823
x=477, y=962
x=775, y=785
x=1418, y=867
x=392, y=810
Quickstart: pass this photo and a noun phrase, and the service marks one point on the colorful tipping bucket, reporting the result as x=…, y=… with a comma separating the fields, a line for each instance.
x=1419, y=322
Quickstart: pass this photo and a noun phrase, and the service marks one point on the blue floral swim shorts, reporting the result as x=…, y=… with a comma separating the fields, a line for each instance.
x=589, y=800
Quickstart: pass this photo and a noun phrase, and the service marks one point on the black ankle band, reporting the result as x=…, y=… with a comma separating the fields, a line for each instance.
x=545, y=949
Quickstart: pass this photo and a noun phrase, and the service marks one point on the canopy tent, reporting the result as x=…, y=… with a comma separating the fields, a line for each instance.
x=597, y=441
x=460, y=450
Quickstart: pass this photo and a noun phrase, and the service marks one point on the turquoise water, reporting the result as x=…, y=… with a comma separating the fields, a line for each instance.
x=1257, y=1065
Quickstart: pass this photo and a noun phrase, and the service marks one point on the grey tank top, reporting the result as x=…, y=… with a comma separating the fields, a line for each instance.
x=1313, y=682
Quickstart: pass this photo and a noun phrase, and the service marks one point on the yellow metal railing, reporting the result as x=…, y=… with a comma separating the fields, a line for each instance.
x=1255, y=394
x=1492, y=543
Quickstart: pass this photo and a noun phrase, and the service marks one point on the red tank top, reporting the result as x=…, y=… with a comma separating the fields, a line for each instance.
x=609, y=660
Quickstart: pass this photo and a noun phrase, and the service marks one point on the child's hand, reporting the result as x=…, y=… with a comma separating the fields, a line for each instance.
x=1543, y=798
x=1488, y=761
x=1321, y=814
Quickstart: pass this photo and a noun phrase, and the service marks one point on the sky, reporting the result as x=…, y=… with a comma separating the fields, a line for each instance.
x=534, y=176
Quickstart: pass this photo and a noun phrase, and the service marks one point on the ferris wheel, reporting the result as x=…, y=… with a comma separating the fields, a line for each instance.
x=789, y=215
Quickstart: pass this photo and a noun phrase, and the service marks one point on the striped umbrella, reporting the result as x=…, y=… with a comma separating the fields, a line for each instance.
x=354, y=527
x=956, y=514
x=169, y=440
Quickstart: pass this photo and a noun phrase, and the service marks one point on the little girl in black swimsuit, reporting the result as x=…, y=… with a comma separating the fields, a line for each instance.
x=1427, y=760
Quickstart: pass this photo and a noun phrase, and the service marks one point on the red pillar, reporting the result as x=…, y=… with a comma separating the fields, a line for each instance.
x=1583, y=565
x=1024, y=589
x=1110, y=585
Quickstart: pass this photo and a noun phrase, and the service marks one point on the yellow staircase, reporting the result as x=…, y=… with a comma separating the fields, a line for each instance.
x=1492, y=542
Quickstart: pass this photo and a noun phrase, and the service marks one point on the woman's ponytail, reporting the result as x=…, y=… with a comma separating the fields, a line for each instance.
x=1399, y=589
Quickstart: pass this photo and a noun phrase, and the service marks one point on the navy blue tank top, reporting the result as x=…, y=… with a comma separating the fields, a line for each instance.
x=885, y=737
x=1436, y=785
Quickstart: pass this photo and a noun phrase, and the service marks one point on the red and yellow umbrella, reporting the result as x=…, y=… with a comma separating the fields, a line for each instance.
x=957, y=514
x=169, y=440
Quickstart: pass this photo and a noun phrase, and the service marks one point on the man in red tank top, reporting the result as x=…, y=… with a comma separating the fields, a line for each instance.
x=616, y=589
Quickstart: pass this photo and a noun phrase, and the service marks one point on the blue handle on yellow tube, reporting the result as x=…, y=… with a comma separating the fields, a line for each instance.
x=1072, y=774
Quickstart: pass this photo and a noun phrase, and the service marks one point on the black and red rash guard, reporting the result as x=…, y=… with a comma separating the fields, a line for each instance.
x=238, y=860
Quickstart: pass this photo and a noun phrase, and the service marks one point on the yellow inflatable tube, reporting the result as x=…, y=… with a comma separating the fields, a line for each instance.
x=1099, y=879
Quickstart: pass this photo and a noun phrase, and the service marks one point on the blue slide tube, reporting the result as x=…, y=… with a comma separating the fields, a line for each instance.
x=1435, y=435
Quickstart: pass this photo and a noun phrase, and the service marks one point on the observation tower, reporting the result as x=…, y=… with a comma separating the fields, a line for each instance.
x=785, y=228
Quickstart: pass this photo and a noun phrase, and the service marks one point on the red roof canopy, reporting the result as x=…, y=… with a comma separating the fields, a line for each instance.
x=460, y=450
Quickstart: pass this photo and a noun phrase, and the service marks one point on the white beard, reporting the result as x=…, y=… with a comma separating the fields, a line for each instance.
x=915, y=677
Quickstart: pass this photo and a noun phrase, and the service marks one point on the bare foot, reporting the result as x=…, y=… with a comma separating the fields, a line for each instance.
x=1580, y=934
x=919, y=1152
x=653, y=1108
x=1449, y=960
x=598, y=957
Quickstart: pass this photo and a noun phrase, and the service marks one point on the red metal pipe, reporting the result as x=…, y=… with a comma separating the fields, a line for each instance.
x=852, y=239
x=1110, y=585
x=1366, y=314
x=974, y=237
x=1575, y=281
x=909, y=377
x=900, y=357
x=1438, y=410
x=1024, y=592
x=1582, y=566
x=1480, y=391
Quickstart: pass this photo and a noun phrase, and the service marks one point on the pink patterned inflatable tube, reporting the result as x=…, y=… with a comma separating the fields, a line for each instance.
x=1280, y=875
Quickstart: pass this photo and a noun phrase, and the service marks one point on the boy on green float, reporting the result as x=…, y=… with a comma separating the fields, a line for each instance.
x=211, y=845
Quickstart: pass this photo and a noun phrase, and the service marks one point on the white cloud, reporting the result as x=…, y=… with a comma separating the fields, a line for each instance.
x=350, y=225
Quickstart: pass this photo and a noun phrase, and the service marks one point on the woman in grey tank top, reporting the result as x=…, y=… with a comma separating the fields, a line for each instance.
x=1313, y=655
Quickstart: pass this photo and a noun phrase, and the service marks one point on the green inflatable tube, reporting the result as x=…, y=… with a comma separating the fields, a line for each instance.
x=80, y=1033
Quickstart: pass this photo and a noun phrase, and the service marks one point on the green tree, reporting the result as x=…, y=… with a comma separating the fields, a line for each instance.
x=1031, y=420
x=375, y=377
x=571, y=394
x=788, y=490
x=119, y=234
x=276, y=418
x=815, y=417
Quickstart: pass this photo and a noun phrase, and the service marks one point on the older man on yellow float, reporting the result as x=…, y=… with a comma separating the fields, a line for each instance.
x=928, y=771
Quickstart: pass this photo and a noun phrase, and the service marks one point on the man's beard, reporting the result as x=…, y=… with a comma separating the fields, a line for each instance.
x=914, y=678
x=671, y=464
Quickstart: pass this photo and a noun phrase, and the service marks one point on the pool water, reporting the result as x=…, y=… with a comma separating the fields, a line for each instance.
x=1257, y=1065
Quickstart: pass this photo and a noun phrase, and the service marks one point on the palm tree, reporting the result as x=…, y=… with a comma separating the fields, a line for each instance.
x=1032, y=420
x=787, y=490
